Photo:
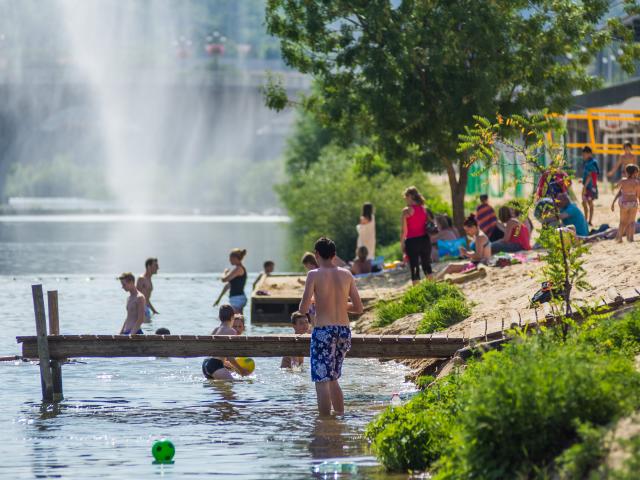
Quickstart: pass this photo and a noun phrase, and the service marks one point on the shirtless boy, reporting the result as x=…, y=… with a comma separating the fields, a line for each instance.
x=625, y=159
x=300, y=323
x=220, y=368
x=145, y=285
x=336, y=295
x=135, y=306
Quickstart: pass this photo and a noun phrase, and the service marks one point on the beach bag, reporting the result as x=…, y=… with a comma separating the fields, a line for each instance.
x=451, y=247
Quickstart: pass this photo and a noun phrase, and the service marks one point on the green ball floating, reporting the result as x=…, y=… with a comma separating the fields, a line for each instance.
x=163, y=451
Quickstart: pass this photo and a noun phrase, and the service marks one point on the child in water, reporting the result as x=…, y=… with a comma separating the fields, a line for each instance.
x=627, y=196
x=300, y=323
x=219, y=368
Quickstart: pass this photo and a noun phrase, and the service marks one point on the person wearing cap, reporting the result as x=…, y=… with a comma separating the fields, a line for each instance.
x=570, y=214
x=135, y=306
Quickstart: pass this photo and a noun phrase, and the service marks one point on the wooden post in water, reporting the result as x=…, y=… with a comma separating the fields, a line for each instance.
x=46, y=379
x=54, y=329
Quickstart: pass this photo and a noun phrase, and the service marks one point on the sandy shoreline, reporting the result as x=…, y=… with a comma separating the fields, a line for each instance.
x=611, y=268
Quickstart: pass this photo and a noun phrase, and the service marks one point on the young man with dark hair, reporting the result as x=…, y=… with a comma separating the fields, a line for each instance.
x=135, y=306
x=486, y=218
x=145, y=286
x=336, y=295
x=589, y=183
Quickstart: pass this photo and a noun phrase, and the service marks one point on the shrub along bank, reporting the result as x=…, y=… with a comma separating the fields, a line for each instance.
x=539, y=406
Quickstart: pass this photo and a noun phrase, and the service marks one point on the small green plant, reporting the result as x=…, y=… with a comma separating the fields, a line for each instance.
x=631, y=466
x=415, y=300
x=446, y=311
x=585, y=456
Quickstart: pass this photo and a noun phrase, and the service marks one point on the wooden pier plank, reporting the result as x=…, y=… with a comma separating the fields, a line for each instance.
x=40, y=345
x=54, y=329
x=363, y=346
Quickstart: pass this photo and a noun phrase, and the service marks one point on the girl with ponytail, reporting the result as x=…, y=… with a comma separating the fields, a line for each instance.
x=235, y=280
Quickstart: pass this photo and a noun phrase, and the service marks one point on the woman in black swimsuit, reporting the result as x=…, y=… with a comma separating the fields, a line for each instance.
x=235, y=280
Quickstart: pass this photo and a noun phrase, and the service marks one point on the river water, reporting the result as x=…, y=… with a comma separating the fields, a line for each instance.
x=263, y=426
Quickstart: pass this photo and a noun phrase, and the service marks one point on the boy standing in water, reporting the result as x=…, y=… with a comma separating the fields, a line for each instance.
x=135, y=306
x=336, y=295
x=145, y=286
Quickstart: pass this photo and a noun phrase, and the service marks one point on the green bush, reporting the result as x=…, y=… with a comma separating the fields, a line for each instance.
x=583, y=457
x=619, y=335
x=391, y=252
x=521, y=407
x=412, y=436
x=415, y=300
x=445, y=312
x=326, y=199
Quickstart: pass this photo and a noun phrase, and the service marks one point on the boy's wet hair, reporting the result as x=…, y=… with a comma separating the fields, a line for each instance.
x=631, y=169
x=127, y=277
x=268, y=263
x=150, y=261
x=325, y=248
x=309, y=257
x=484, y=197
x=297, y=315
x=226, y=313
x=163, y=331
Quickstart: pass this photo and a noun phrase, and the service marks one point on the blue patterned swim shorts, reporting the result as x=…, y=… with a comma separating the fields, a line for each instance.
x=329, y=346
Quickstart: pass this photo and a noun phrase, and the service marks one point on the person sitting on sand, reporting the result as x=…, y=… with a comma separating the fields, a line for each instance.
x=627, y=196
x=446, y=232
x=300, y=323
x=235, y=280
x=216, y=368
x=267, y=269
x=361, y=265
x=336, y=295
x=145, y=286
x=238, y=323
x=516, y=233
x=570, y=214
x=135, y=306
x=481, y=254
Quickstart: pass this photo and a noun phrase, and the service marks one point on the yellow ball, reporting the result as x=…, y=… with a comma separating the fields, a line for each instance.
x=246, y=363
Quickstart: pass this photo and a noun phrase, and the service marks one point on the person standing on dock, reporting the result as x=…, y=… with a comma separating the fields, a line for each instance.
x=135, y=306
x=336, y=295
x=145, y=286
x=235, y=280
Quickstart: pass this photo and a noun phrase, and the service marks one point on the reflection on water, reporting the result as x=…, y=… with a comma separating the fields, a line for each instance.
x=262, y=427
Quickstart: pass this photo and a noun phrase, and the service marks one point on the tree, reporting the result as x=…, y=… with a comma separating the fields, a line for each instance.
x=411, y=74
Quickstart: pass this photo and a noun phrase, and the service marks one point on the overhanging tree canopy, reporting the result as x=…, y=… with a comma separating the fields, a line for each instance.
x=412, y=73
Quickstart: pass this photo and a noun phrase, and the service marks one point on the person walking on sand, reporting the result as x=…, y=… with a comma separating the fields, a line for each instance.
x=336, y=295
x=145, y=286
x=235, y=280
x=135, y=306
x=589, y=183
x=367, y=231
x=625, y=159
x=415, y=239
x=627, y=196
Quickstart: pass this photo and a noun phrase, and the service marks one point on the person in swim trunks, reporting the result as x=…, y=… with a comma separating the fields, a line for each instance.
x=627, y=197
x=145, y=286
x=220, y=368
x=336, y=295
x=135, y=306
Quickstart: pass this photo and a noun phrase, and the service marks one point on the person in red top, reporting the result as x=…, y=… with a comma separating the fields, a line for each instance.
x=516, y=233
x=415, y=240
x=486, y=218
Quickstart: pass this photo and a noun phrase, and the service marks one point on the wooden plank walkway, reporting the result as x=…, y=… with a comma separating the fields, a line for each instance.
x=362, y=346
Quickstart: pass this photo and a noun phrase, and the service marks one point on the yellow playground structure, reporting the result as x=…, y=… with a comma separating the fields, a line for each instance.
x=605, y=130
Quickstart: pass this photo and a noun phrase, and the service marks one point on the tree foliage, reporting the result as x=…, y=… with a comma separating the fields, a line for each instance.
x=411, y=74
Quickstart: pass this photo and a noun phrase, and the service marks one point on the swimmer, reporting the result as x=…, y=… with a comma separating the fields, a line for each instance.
x=135, y=306
x=220, y=368
x=300, y=323
x=163, y=331
x=145, y=286
x=238, y=323
x=268, y=267
x=336, y=295
x=235, y=280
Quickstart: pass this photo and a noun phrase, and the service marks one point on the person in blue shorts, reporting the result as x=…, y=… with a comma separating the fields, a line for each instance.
x=336, y=295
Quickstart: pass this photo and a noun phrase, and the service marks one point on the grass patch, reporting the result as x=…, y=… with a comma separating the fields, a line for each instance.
x=391, y=252
x=445, y=312
x=417, y=299
x=540, y=405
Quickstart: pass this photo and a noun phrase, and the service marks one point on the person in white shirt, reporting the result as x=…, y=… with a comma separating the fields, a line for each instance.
x=367, y=231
